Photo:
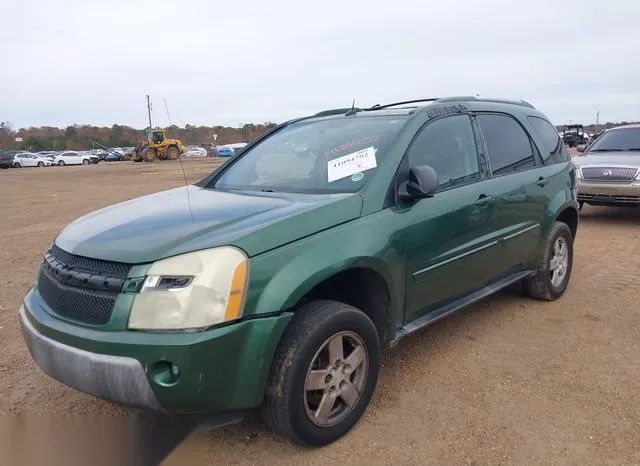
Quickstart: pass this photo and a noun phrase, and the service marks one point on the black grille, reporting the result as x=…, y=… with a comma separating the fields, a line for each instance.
x=81, y=288
x=611, y=198
x=82, y=305
x=613, y=174
x=99, y=267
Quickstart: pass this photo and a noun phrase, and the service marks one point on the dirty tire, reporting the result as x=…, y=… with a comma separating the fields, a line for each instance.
x=148, y=154
x=173, y=153
x=284, y=410
x=540, y=286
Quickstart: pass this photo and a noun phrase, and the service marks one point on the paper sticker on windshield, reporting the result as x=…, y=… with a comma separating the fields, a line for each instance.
x=350, y=164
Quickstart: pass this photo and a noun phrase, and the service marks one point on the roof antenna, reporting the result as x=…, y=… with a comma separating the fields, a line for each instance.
x=186, y=183
x=353, y=108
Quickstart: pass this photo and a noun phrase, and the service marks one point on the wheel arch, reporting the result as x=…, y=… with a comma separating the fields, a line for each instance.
x=362, y=287
x=569, y=215
x=563, y=207
x=363, y=282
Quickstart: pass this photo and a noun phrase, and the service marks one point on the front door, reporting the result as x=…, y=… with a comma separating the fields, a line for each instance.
x=451, y=237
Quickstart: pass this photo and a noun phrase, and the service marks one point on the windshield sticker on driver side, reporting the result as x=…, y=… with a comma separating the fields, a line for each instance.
x=350, y=164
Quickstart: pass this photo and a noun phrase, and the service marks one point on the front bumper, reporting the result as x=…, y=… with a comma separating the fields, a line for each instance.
x=220, y=370
x=609, y=193
x=115, y=378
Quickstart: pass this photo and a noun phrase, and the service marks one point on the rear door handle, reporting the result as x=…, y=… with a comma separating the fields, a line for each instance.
x=542, y=181
x=484, y=200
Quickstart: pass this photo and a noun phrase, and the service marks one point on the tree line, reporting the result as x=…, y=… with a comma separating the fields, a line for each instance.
x=80, y=137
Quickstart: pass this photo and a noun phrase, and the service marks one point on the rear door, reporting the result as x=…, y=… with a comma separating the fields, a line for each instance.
x=516, y=169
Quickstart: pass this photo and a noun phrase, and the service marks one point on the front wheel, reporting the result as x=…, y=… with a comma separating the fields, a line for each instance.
x=17, y=165
x=323, y=375
x=41, y=164
x=173, y=153
x=85, y=162
x=61, y=163
x=148, y=154
x=554, y=266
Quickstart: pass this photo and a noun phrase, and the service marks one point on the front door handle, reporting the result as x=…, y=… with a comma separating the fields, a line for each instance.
x=484, y=200
x=542, y=181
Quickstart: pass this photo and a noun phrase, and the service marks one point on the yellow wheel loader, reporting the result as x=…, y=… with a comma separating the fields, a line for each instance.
x=157, y=147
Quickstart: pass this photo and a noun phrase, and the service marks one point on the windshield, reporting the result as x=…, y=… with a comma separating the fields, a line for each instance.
x=617, y=140
x=337, y=155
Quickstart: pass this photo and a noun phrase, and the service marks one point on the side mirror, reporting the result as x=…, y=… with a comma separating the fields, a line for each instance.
x=422, y=183
x=581, y=148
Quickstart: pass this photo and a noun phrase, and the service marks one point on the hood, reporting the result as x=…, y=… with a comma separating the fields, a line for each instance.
x=160, y=225
x=627, y=159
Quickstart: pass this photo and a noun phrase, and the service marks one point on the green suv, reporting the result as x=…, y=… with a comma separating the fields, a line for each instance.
x=277, y=280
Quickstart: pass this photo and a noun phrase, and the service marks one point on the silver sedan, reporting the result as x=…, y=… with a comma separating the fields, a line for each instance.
x=609, y=169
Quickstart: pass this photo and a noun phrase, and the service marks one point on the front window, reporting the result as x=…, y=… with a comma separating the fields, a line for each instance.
x=616, y=140
x=337, y=155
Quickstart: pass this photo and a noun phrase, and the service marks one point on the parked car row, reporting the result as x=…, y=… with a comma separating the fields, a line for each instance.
x=42, y=159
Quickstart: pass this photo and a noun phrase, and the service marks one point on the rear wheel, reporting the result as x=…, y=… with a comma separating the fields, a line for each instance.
x=173, y=153
x=554, y=266
x=85, y=162
x=323, y=375
x=17, y=165
x=148, y=154
x=41, y=164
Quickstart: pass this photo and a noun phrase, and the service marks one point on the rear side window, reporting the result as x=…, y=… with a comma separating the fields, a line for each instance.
x=508, y=144
x=552, y=151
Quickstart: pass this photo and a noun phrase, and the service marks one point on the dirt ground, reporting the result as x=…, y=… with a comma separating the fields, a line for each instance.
x=509, y=381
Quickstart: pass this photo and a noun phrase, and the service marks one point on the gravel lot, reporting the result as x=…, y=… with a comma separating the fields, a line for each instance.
x=509, y=381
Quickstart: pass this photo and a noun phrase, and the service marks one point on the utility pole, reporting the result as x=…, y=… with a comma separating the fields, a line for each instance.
x=597, y=120
x=149, y=110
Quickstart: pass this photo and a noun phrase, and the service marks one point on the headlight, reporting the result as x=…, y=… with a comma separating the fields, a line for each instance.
x=192, y=291
x=578, y=173
x=637, y=178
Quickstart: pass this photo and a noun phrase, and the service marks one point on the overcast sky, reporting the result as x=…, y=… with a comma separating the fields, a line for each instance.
x=232, y=62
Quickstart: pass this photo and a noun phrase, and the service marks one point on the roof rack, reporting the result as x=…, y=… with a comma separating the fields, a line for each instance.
x=395, y=104
x=524, y=103
x=347, y=110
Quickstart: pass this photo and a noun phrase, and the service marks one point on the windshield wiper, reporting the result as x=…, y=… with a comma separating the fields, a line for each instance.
x=607, y=150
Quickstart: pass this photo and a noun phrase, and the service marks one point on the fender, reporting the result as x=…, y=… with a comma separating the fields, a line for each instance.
x=285, y=275
x=562, y=200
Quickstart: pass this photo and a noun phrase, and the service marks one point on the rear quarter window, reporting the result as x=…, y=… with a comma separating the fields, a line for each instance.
x=553, y=150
